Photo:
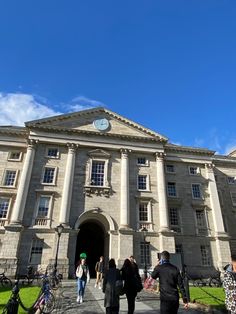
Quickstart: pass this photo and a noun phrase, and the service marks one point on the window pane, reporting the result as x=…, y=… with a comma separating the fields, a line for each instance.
x=52, y=152
x=196, y=191
x=145, y=253
x=48, y=175
x=193, y=170
x=141, y=161
x=174, y=219
x=15, y=155
x=171, y=189
x=97, y=177
x=143, y=212
x=170, y=168
x=36, y=251
x=43, y=206
x=10, y=177
x=142, y=182
x=4, y=204
x=205, y=254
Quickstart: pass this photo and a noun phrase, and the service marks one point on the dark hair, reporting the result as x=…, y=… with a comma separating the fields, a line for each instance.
x=165, y=255
x=233, y=257
x=131, y=256
x=112, y=263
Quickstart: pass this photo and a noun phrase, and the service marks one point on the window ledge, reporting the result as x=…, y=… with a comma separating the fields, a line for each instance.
x=7, y=186
x=97, y=190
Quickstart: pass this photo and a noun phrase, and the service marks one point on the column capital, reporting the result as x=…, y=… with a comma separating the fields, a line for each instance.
x=72, y=147
x=31, y=143
x=160, y=155
x=210, y=166
x=125, y=152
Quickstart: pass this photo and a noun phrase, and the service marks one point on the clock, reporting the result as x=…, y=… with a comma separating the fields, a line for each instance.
x=101, y=124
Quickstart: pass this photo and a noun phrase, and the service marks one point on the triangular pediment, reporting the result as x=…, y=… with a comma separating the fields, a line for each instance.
x=90, y=121
x=98, y=153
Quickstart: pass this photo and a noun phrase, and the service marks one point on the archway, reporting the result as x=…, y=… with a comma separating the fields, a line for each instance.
x=90, y=240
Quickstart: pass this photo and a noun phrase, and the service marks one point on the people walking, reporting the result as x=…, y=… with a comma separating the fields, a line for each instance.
x=112, y=298
x=132, y=283
x=83, y=277
x=99, y=268
x=170, y=280
x=229, y=284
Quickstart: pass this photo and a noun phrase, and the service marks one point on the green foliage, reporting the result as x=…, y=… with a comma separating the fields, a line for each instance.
x=214, y=297
x=28, y=296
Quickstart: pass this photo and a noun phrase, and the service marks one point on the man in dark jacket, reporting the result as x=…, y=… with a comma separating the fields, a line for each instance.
x=170, y=280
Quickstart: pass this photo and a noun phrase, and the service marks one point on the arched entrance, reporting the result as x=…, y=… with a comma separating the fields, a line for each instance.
x=91, y=239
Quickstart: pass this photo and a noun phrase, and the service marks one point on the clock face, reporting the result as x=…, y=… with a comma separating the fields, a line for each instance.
x=101, y=124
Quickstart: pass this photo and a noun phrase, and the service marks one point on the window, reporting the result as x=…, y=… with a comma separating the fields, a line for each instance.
x=196, y=191
x=10, y=177
x=179, y=248
x=225, y=222
x=193, y=170
x=205, y=255
x=52, y=152
x=97, y=176
x=14, y=155
x=143, y=211
x=49, y=175
x=142, y=161
x=145, y=253
x=233, y=198
x=142, y=182
x=36, y=251
x=171, y=189
x=43, y=208
x=4, y=205
x=231, y=180
x=174, y=219
x=201, y=222
x=170, y=168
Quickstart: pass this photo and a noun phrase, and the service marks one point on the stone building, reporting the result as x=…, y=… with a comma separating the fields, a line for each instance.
x=106, y=178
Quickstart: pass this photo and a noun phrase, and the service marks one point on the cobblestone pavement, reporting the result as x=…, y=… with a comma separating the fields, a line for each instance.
x=147, y=303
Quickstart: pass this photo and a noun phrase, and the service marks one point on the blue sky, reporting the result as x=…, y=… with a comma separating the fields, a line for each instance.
x=169, y=65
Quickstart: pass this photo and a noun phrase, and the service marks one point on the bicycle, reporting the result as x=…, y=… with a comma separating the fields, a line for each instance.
x=5, y=281
x=46, y=301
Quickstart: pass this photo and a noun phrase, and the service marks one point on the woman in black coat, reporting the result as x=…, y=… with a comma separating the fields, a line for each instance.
x=132, y=283
x=112, y=298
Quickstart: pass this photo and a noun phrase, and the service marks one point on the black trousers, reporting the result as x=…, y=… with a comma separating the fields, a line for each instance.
x=112, y=310
x=131, y=301
x=169, y=307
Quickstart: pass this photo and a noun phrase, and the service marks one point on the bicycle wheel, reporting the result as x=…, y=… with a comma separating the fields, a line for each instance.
x=48, y=303
x=6, y=282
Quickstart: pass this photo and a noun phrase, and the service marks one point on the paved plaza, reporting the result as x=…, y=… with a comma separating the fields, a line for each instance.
x=147, y=302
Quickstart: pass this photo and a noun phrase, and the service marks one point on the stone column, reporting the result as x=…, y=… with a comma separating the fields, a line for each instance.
x=161, y=190
x=222, y=241
x=124, y=191
x=22, y=191
x=68, y=185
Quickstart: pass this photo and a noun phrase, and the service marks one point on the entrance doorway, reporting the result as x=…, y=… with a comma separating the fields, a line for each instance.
x=90, y=240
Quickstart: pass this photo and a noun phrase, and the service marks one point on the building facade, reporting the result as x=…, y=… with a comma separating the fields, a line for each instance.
x=119, y=189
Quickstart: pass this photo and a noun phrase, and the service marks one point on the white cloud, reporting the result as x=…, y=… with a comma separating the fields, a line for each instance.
x=16, y=108
x=81, y=103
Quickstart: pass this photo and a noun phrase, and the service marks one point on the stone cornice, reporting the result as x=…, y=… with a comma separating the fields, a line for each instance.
x=111, y=135
x=188, y=149
x=11, y=130
x=42, y=122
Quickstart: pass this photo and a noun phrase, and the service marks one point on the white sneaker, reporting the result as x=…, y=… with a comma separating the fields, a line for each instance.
x=100, y=287
x=81, y=299
x=78, y=299
x=95, y=286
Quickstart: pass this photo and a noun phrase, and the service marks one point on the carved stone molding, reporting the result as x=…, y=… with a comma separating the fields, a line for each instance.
x=160, y=155
x=97, y=190
x=32, y=143
x=125, y=152
x=72, y=147
x=210, y=167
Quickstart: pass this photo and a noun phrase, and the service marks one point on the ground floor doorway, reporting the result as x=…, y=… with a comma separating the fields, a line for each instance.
x=90, y=240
